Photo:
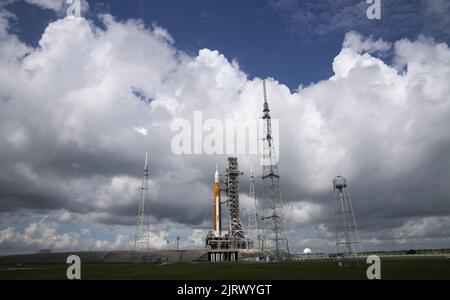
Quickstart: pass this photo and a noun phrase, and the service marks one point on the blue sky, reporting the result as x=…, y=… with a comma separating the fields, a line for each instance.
x=291, y=41
x=249, y=31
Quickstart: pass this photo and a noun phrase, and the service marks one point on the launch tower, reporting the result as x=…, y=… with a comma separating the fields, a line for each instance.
x=225, y=246
x=236, y=232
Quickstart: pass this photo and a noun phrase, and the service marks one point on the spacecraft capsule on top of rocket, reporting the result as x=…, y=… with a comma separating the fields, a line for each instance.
x=216, y=176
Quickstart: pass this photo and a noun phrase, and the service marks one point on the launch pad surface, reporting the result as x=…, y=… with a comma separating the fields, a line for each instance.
x=393, y=268
x=159, y=256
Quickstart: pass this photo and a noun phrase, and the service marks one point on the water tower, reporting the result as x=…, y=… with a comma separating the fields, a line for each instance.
x=347, y=238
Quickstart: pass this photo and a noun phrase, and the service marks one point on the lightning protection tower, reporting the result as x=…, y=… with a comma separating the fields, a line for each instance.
x=275, y=239
x=347, y=238
x=253, y=219
x=142, y=237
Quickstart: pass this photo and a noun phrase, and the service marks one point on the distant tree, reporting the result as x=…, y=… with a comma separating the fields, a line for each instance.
x=410, y=252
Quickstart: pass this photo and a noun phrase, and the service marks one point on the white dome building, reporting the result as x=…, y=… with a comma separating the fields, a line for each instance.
x=307, y=251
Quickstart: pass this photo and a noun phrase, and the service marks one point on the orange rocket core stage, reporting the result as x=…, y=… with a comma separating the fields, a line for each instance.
x=217, y=225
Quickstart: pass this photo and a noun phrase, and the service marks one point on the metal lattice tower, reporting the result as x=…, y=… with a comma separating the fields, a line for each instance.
x=253, y=219
x=236, y=232
x=347, y=238
x=274, y=239
x=142, y=237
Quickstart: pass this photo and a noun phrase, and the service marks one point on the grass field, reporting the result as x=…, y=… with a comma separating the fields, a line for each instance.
x=391, y=268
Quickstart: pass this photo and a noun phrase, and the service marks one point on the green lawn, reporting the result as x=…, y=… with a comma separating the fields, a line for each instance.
x=391, y=268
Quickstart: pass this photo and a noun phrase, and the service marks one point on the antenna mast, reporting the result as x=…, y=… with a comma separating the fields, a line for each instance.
x=253, y=219
x=275, y=241
x=142, y=237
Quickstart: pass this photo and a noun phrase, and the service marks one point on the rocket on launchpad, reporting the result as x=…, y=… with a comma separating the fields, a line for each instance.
x=217, y=227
